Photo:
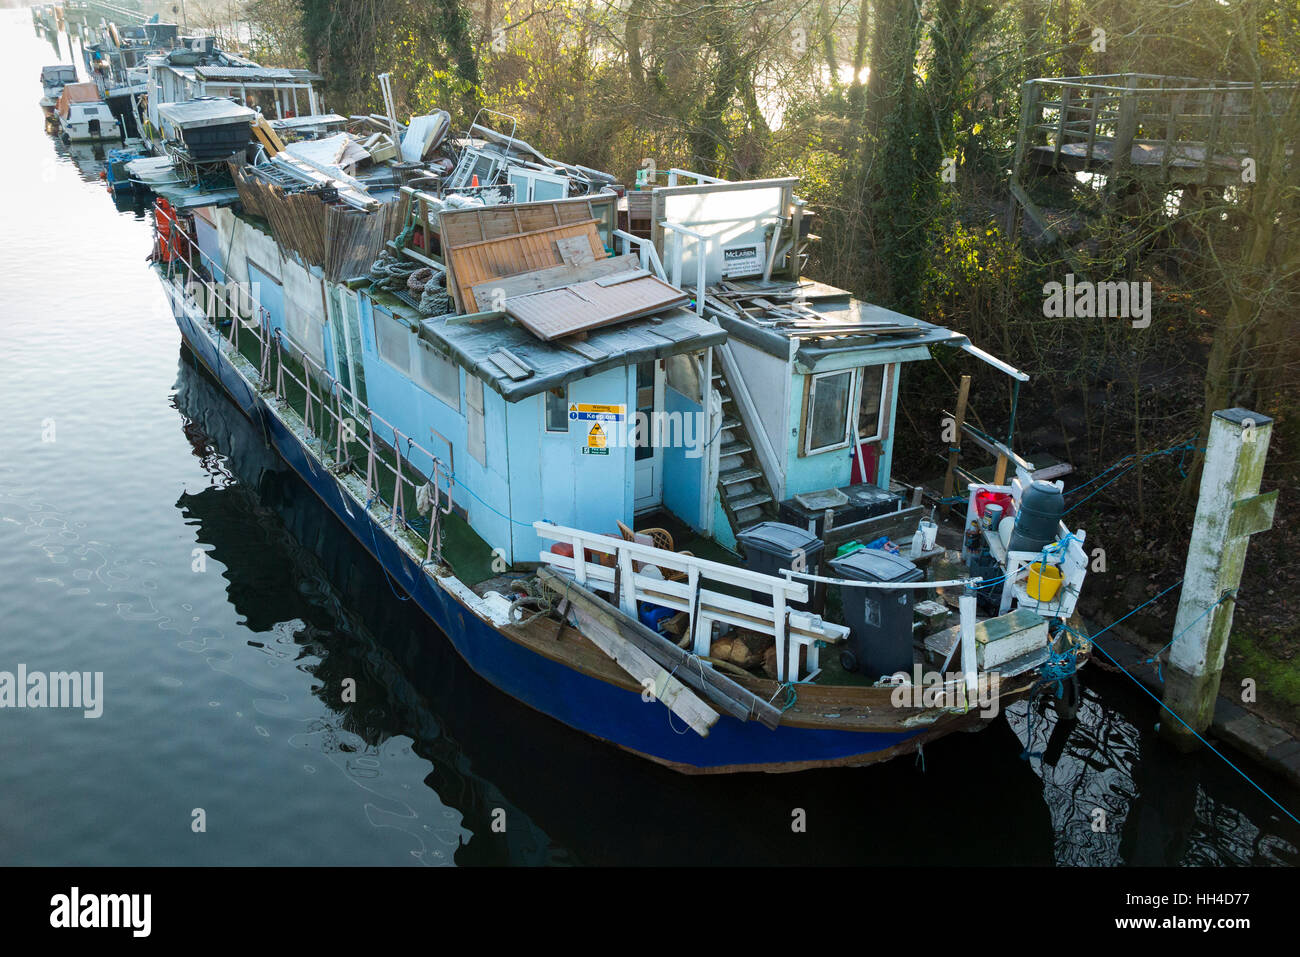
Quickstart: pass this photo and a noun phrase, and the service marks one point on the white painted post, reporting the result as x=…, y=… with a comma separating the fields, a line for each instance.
x=966, y=608
x=627, y=583
x=1228, y=511
x=778, y=617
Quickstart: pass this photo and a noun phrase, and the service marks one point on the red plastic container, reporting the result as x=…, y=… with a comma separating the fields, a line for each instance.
x=985, y=497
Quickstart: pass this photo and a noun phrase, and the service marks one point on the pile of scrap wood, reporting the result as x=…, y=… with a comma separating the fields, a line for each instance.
x=786, y=308
x=488, y=243
x=343, y=241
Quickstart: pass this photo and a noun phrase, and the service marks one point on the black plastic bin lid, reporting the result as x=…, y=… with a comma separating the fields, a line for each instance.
x=778, y=538
x=875, y=565
x=868, y=494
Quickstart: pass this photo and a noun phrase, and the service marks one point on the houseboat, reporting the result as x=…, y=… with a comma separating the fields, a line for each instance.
x=115, y=58
x=84, y=116
x=642, y=481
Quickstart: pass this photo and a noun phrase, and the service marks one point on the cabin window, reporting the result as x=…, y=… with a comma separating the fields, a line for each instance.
x=826, y=425
x=557, y=410
x=436, y=373
x=684, y=374
x=871, y=407
x=394, y=342
x=475, y=426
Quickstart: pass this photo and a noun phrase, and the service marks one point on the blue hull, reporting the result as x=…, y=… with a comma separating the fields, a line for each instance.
x=582, y=702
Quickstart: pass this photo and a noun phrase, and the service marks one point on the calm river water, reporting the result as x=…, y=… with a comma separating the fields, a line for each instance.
x=118, y=461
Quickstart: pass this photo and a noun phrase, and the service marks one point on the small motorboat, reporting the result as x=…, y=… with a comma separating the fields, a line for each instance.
x=83, y=115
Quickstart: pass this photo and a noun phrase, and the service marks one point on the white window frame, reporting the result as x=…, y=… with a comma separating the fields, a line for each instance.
x=850, y=418
x=879, y=434
x=463, y=175
x=378, y=316
x=534, y=177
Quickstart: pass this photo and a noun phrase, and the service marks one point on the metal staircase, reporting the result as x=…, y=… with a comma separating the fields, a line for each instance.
x=743, y=489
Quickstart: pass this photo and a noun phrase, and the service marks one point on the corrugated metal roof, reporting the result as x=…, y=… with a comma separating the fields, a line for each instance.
x=254, y=74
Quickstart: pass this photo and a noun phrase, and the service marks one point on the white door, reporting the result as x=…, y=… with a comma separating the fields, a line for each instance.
x=649, y=449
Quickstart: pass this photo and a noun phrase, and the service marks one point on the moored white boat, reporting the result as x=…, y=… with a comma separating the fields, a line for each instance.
x=83, y=115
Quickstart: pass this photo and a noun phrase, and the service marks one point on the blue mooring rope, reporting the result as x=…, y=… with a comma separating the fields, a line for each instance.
x=1179, y=719
x=1155, y=659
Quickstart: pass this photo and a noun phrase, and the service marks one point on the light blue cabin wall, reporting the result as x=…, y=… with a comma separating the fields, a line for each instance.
x=684, y=466
x=811, y=473
x=481, y=490
x=552, y=478
x=269, y=293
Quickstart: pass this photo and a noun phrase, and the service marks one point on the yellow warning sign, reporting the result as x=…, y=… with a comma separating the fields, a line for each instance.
x=596, y=441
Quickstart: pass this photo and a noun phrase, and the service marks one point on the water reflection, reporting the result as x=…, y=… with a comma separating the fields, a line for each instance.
x=285, y=560
x=1120, y=795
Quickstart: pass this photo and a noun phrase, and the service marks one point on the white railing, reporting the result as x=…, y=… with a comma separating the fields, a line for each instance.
x=643, y=248
x=675, y=173
x=629, y=583
x=272, y=344
x=702, y=247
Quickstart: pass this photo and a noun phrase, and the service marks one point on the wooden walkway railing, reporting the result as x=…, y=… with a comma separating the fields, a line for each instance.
x=1173, y=129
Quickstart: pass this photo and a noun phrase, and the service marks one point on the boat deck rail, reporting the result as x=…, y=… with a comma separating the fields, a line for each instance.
x=341, y=424
x=629, y=580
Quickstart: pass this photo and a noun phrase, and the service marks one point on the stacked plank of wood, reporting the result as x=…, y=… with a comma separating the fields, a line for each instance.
x=785, y=309
x=342, y=240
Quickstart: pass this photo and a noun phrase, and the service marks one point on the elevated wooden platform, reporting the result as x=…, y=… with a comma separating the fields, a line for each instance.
x=1168, y=129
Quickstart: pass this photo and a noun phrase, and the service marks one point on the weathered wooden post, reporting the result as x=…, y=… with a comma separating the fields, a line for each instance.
x=1228, y=511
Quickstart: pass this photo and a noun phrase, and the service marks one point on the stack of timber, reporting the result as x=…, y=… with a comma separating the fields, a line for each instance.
x=341, y=240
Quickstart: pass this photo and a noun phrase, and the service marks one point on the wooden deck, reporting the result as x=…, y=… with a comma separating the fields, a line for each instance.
x=1181, y=163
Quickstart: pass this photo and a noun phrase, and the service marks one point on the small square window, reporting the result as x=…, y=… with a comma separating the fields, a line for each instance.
x=557, y=410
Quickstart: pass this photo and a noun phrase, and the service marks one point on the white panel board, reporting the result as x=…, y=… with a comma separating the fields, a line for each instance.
x=730, y=217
